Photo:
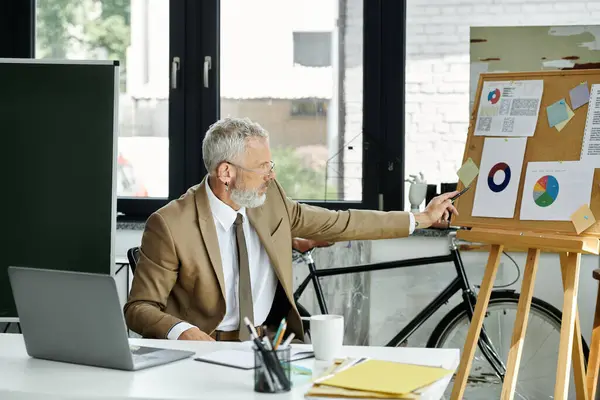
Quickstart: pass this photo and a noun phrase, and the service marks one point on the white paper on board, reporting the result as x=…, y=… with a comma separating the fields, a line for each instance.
x=553, y=191
x=509, y=108
x=499, y=177
x=590, y=148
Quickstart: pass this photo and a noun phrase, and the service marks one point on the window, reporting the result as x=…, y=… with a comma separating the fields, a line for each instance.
x=312, y=49
x=137, y=34
x=315, y=74
x=317, y=147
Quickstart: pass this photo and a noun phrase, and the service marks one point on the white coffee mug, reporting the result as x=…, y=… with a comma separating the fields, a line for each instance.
x=327, y=336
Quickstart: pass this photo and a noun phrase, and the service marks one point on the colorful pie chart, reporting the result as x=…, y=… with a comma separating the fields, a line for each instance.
x=545, y=191
x=494, y=96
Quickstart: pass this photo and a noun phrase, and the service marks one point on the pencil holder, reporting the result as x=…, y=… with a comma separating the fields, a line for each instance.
x=272, y=370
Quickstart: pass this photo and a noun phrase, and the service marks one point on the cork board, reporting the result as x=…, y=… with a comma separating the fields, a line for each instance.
x=547, y=144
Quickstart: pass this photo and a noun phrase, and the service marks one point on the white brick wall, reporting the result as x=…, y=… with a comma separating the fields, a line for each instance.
x=437, y=70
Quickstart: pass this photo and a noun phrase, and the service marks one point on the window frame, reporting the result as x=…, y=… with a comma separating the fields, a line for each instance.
x=194, y=34
x=17, y=29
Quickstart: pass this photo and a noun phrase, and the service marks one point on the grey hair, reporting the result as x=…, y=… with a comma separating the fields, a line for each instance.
x=225, y=140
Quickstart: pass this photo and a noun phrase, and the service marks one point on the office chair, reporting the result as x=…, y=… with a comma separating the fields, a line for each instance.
x=133, y=256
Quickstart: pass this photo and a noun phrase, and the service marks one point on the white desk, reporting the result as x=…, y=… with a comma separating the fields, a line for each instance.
x=25, y=378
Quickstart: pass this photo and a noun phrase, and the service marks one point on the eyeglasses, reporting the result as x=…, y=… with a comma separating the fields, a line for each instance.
x=261, y=171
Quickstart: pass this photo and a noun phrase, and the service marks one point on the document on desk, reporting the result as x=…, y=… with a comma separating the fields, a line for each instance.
x=395, y=380
x=244, y=359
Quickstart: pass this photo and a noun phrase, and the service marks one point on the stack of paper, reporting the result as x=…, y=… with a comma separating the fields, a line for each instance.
x=244, y=359
x=366, y=378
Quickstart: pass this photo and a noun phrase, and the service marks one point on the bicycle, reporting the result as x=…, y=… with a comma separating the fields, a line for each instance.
x=488, y=368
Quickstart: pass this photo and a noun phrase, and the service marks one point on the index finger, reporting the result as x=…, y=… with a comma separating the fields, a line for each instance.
x=445, y=196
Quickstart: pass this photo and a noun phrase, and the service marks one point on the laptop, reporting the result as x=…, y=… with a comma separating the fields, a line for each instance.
x=76, y=317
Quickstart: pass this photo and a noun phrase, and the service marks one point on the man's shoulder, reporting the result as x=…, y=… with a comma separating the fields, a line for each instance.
x=275, y=196
x=181, y=208
x=275, y=191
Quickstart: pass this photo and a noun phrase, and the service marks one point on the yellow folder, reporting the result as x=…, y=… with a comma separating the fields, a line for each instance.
x=336, y=392
x=386, y=377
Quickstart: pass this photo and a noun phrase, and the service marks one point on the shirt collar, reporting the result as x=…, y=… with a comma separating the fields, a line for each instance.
x=221, y=211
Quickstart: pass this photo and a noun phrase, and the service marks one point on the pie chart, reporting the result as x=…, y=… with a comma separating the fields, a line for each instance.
x=498, y=187
x=545, y=191
x=494, y=96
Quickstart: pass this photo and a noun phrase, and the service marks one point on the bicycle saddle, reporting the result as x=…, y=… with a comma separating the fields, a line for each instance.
x=305, y=245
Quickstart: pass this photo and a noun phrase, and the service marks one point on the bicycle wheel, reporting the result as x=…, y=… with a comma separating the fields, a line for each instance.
x=539, y=360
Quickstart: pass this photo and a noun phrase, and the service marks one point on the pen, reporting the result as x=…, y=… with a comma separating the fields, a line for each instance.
x=345, y=365
x=288, y=340
x=280, y=335
x=267, y=374
x=267, y=343
x=271, y=360
x=262, y=353
x=459, y=194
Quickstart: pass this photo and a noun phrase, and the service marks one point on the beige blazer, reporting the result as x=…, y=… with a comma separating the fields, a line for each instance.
x=179, y=276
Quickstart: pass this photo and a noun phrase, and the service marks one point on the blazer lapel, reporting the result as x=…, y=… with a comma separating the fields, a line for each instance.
x=209, y=233
x=262, y=229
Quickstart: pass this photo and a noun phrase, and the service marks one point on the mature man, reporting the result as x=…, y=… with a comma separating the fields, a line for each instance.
x=223, y=250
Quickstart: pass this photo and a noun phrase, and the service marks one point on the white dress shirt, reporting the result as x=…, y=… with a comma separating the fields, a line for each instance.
x=262, y=275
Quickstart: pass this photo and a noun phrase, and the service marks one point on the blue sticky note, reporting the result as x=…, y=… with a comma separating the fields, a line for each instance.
x=557, y=112
x=580, y=95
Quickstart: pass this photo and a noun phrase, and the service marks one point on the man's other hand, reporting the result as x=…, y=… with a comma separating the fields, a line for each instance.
x=195, y=334
x=437, y=211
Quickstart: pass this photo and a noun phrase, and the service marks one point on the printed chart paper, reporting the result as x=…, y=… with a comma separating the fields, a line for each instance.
x=553, y=191
x=590, y=150
x=509, y=108
x=499, y=176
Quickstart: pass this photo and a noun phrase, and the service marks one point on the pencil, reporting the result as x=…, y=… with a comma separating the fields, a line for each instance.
x=280, y=335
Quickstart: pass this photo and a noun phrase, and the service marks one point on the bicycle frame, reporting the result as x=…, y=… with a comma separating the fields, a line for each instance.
x=460, y=283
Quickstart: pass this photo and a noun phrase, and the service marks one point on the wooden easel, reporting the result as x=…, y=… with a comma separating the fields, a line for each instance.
x=570, y=250
x=533, y=236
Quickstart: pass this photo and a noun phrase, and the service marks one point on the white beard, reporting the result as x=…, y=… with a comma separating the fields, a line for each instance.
x=247, y=198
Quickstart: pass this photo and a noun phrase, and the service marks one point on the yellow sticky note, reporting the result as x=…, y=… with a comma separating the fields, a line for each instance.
x=583, y=218
x=386, y=377
x=559, y=127
x=468, y=172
